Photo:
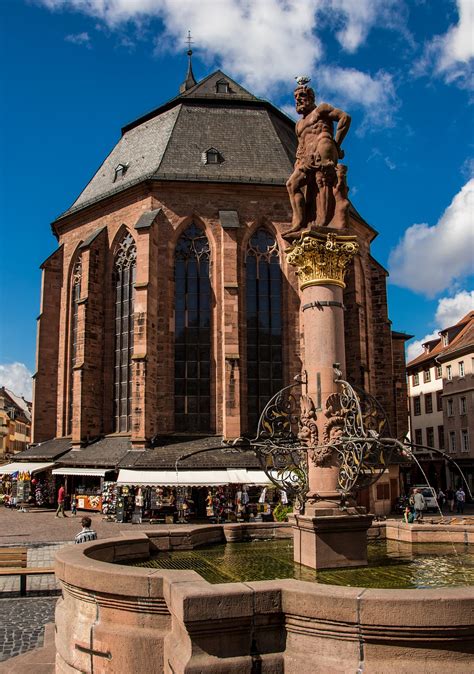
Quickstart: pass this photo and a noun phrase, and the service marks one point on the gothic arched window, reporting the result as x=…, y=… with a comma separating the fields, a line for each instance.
x=75, y=296
x=192, y=332
x=264, y=329
x=124, y=276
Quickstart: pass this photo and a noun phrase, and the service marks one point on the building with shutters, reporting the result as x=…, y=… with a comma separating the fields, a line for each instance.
x=441, y=404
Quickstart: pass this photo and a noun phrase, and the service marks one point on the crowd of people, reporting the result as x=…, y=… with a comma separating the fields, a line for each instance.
x=417, y=503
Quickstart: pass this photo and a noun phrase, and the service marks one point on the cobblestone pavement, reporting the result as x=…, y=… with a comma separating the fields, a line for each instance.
x=38, y=526
x=22, y=624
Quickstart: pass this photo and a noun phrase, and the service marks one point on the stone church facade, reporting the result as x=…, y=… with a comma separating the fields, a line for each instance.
x=168, y=308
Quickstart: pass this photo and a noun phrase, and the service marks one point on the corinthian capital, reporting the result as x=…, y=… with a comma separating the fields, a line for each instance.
x=322, y=259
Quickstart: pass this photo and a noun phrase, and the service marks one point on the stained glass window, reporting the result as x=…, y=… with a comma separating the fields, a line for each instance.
x=75, y=296
x=192, y=332
x=124, y=273
x=264, y=324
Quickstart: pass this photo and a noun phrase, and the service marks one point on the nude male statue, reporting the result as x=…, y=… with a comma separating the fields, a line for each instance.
x=316, y=158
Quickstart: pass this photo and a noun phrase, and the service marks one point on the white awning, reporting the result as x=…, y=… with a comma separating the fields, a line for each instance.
x=24, y=467
x=192, y=478
x=83, y=472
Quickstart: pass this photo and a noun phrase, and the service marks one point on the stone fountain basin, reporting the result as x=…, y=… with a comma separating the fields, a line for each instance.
x=114, y=618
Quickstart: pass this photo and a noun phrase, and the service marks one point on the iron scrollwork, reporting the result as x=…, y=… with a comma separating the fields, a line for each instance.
x=278, y=446
x=363, y=454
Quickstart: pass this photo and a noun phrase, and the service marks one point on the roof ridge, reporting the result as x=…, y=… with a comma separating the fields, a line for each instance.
x=452, y=345
x=180, y=110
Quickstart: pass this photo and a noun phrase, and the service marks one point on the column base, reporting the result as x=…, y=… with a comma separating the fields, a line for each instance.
x=330, y=540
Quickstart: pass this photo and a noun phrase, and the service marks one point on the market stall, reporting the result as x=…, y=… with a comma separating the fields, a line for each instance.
x=86, y=485
x=26, y=484
x=171, y=496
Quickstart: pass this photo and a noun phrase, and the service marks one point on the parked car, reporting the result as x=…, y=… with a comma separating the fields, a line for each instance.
x=430, y=495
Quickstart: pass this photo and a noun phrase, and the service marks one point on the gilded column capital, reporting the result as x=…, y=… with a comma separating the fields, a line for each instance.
x=322, y=259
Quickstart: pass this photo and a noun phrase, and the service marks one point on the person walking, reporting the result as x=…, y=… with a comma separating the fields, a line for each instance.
x=450, y=499
x=86, y=534
x=440, y=497
x=61, y=499
x=74, y=505
x=419, y=505
x=460, y=500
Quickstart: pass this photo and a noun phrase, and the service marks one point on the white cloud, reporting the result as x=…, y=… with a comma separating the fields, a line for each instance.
x=356, y=19
x=449, y=311
x=353, y=88
x=80, y=39
x=451, y=55
x=265, y=43
x=429, y=259
x=17, y=378
x=415, y=348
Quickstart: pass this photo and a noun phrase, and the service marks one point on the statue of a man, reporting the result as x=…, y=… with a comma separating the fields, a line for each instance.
x=316, y=166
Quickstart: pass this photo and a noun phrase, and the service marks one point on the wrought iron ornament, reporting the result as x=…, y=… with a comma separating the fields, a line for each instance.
x=278, y=446
x=287, y=438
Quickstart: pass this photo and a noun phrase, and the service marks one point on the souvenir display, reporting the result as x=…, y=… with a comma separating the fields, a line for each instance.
x=109, y=498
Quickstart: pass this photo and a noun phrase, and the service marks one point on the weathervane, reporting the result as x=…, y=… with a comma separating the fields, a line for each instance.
x=190, y=80
x=189, y=42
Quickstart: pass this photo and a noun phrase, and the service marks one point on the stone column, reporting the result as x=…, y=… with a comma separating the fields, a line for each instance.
x=328, y=534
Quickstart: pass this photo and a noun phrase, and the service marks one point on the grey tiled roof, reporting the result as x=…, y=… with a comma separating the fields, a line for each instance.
x=164, y=456
x=105, y=453
x=49, y=450
x=255, y=139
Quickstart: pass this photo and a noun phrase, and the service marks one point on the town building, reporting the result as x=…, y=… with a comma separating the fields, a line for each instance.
x=169, y=316
x=441, y=404
x=15, y=424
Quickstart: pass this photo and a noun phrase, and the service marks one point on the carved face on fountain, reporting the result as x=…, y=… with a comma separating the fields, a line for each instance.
x=304, y=100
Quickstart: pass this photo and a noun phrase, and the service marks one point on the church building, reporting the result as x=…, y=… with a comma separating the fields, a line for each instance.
x=169, y=315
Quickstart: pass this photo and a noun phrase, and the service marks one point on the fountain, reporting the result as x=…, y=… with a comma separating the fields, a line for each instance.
x=319, y=439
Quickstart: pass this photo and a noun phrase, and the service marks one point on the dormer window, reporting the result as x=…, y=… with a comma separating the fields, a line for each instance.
x=212, y=156
x=222, y=87
x=120, y=171
x=445, y=339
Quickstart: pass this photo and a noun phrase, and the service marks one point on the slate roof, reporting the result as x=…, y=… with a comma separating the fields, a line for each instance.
x=165, y=455
x=255, y=139
x=50, y=450
x=104, y=453
x=117, y=452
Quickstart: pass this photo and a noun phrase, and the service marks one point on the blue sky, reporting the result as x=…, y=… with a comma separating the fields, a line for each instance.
x=75, y=71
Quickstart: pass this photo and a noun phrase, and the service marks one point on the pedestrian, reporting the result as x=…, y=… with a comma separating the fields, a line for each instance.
x=419, y=504
x=460, y=500
x=450, y=499
x=73, y=505
x=86, y=534
x=440, y=497
x=61, y=498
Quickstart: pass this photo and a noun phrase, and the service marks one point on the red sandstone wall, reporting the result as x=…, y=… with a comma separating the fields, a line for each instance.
x=47, y=345
x=367, y=329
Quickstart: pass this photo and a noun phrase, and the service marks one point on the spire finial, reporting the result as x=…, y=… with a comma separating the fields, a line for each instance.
x=190, y=80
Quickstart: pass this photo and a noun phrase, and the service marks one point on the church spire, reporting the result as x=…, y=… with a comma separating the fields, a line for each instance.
x=190, y=80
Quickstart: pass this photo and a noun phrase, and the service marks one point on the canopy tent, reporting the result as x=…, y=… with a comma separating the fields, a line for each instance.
x=82, y=472
x=24, y=467
x=192, y=478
